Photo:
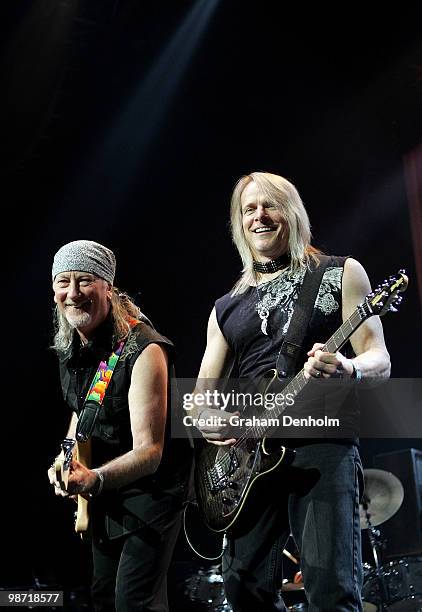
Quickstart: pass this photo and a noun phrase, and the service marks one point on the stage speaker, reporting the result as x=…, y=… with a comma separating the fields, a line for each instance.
x=403, y=531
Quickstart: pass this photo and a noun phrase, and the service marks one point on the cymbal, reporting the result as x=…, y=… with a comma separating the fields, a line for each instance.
x=383, y=496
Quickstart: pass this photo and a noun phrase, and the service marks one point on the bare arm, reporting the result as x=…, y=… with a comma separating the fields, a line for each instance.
x=216, y=365
x=368, y=343
x=148, y=410
x=217, y=360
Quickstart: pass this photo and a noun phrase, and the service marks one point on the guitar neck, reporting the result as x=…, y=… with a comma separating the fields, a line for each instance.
x=297, y=384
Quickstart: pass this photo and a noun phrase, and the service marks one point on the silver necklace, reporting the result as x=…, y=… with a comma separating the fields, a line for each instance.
x=265, y=305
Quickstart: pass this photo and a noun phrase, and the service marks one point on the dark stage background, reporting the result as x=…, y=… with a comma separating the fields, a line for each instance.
x=128, y=123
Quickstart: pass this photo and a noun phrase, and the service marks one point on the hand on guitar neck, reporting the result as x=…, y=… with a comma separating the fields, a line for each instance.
x=71, y=477
x=69, y=473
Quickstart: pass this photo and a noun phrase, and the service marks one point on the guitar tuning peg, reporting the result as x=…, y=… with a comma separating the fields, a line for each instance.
x=393, y=309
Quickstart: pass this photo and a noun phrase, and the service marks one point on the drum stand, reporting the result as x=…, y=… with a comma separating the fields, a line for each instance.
x=376, y=545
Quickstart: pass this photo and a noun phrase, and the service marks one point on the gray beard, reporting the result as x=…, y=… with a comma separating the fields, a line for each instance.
x=78, y=320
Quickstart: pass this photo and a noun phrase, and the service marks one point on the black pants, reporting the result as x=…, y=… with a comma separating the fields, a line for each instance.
x=317, y=500
x=130, y=572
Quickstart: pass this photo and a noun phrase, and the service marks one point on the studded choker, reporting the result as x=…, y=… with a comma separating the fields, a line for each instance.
x=272, y=266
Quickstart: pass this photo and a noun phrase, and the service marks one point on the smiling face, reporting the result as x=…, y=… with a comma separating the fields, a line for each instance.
x=263, y=224
x=83, y=299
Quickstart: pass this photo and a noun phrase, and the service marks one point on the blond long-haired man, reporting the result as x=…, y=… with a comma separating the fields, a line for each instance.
x=317, y=499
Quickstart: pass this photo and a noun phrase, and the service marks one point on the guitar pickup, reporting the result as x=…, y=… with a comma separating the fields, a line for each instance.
x=218, y=476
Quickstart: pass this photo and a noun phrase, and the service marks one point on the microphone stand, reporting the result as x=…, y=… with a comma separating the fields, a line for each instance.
x=374, y=539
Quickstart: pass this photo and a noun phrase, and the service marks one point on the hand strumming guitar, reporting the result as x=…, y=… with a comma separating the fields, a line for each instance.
x=215, y=433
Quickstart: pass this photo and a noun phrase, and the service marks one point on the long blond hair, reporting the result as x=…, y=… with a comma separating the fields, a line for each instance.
x=283, y=194
x=122, y=309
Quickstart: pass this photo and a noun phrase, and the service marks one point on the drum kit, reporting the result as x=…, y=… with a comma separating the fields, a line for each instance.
x=204, y=591
x=395, y=586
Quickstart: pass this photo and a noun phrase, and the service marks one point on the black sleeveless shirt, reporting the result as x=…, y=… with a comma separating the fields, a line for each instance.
x=112, y=432
x=255, y=323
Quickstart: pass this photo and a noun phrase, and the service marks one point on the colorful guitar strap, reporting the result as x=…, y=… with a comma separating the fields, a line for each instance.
x=97, y=389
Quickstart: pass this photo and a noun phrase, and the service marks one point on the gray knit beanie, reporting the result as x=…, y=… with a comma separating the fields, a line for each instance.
x=85, y=256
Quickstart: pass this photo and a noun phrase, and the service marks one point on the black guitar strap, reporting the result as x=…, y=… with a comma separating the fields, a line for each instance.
x=292, y=345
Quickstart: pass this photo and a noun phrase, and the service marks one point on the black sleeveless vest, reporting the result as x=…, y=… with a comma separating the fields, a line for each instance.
x=112, y=434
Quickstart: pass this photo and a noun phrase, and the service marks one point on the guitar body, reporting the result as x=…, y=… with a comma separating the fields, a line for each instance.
x=83, y=455
x=224, y=476
x=81, y=452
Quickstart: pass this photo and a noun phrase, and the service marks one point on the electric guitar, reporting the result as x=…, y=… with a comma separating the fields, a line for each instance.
x=224, y=475
x=81, y=451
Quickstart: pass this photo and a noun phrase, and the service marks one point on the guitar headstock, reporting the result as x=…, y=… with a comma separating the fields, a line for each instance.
x=386, y=297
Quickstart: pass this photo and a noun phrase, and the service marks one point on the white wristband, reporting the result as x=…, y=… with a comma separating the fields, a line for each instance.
x=357, y=372
x=101, y=484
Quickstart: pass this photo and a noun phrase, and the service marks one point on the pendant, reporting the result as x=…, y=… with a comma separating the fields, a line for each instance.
x=264, y=313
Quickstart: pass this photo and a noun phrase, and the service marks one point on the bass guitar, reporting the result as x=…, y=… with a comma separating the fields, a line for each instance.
x=80, y=451
x=224, y=475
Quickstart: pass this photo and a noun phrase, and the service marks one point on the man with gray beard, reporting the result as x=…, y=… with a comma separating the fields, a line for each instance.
x=136, y=487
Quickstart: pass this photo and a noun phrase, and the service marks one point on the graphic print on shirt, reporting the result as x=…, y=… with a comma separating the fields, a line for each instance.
x=282, y=292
